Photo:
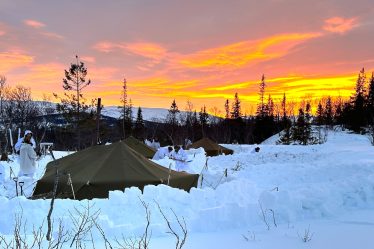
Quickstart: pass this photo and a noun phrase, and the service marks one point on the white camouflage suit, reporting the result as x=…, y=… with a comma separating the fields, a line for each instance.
x=180, y=158
x=27, y=157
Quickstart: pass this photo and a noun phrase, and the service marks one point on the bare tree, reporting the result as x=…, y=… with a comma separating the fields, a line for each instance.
x=180, y=238
x=19, y=107
x=83, y=222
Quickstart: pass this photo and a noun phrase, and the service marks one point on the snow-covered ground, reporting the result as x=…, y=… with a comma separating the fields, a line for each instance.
x=267, y=199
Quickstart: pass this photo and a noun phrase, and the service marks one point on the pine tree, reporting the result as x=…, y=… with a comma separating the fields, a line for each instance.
x=264, y=121
x=302, y=131
x=203, y=117
x=360, y=83
x=320, y=113
x=357, y=117
x=172, y=113
x=236, y=109
x=73, y=104
x=308, y=129
x=328, y=112
x=285, y=120
x=139, y=124
x=297, y=134
x=2, y=93
x=370, y=99
x=127, y=119
x=270, y=107
x=124, y=106
x=227, y=109
x=261, y=108
x=286, y=123
x=338, y=113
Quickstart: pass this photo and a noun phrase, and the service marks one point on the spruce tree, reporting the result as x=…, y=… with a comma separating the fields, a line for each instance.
x=302, y=131
x=124, y=107
x=261, y=108
x=308, y=128
x=203, y=117
x=328, y=112
x=370, y=100
x=320, y=113
x=172, y=114
x=286, y=123
x=357, y=117
x=139, y=124
x=264, y=121
x=270, y=108
x=236, y=109
x=127, y=119
x=298, y=129
x=227, y=109
x=2, y=93
x=338, y=111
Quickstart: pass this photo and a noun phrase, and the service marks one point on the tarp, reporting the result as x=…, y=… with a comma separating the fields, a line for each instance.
x=101, y=168
x=211, y=148
x=140, y=147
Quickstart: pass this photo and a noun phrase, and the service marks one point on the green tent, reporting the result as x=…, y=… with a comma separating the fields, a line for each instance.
x=211, y=148
x=140, y=147
x=95, y=171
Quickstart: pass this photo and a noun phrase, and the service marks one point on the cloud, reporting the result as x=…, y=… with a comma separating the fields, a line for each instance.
x=13, y=60
x=3, y=29
x=34, y=24
x=243, y=53
x=250, y=84
x=145, y=49
x=90, y=59
x=340, y=25
x=106, y=46
x=52, y=35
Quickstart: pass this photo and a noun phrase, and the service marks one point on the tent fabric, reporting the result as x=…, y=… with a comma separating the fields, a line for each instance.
x=99, y=169
x=211, y=148
x=140, y=147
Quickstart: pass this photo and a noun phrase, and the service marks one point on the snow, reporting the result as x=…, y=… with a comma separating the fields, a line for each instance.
x=328, y=188
x=150, y=114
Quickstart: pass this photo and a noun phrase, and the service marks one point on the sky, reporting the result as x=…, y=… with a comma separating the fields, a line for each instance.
x=198, y=51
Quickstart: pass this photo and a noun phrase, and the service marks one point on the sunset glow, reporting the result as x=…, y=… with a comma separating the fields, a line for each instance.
x=190, y=51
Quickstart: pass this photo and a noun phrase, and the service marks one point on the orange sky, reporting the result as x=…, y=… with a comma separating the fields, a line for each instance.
x=201, y=51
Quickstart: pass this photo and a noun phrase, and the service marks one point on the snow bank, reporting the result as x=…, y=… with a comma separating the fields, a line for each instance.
x=287, y=184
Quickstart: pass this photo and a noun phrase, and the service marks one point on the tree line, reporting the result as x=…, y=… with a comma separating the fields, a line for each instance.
x=74, y=126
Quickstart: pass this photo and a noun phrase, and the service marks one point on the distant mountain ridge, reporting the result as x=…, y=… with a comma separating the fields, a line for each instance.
x=149, y=114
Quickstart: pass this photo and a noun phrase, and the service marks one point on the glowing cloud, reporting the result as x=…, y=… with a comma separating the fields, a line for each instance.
x=149, y=50
x=9, y=61
x=105, y=46
x=243, y=53
x=340, y=25
x=34, y=24
x=144, y=49
x=88, y=59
